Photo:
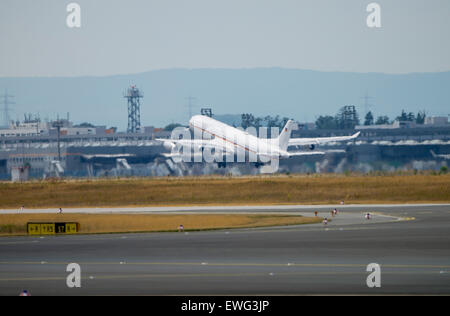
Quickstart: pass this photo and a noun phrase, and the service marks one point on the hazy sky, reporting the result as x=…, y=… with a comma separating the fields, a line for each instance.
x=121, y=37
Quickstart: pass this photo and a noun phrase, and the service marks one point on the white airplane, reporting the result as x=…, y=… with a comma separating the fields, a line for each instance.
x=226, y=140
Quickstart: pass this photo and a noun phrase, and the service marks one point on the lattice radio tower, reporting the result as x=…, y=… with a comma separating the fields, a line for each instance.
x=367, y=105
x=133, y=95
x=6, y=103
x=190, y=104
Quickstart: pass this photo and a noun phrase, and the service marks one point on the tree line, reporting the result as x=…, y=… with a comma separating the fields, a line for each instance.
x=347, y=119
x=249, y=120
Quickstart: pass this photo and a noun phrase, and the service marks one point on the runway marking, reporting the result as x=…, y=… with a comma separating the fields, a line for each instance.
x=211, y=275
x=19, y=242
x=407, y=219
x=319, y=265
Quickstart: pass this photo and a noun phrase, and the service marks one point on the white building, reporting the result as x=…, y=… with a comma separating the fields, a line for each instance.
x=33, y=128
x=436, y=120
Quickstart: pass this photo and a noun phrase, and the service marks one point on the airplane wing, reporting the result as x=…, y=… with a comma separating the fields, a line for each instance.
x=439, y=156
x=191, y=142
x=320, y=140
x=306, y=153
x=204, y=143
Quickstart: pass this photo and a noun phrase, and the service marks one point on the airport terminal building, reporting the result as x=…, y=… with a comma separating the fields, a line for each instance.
x=35, y=150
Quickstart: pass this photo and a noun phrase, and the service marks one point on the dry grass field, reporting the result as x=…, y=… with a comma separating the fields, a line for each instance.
x=281, y=189
x=13, y=224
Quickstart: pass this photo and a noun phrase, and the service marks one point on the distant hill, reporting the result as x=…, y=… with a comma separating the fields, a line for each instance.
x=298, y=94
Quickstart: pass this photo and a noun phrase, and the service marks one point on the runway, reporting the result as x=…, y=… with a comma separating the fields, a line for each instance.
x=411, y=243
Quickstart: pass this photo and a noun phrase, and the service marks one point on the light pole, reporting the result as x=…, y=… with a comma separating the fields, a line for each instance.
x=58, y=124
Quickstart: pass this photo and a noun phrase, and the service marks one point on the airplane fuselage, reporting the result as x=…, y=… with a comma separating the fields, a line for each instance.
x=226, y=135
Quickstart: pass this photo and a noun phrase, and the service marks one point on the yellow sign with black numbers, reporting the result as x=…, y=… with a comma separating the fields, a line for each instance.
x=34, y=229
x=72, y=228
x=52, y=228
x=47, y=229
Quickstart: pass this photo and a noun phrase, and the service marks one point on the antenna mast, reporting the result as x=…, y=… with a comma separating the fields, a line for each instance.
x=190, y=105
x=6, y=103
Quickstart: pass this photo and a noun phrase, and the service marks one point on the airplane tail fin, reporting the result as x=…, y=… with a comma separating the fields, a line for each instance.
x=285, y=135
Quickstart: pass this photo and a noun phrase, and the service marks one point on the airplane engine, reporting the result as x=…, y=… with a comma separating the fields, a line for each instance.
x=309, y=147
x=169, y=145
